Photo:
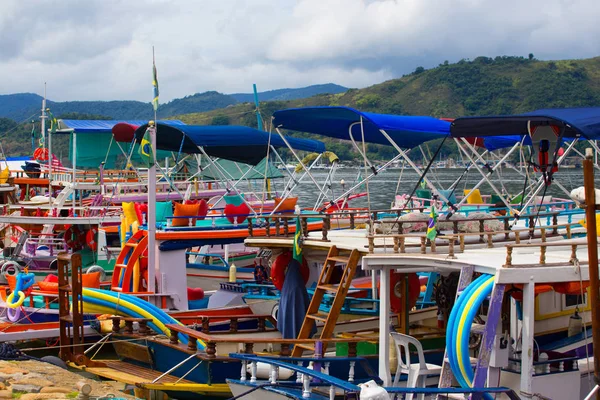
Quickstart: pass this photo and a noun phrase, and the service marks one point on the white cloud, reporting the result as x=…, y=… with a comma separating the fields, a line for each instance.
x=101, y=49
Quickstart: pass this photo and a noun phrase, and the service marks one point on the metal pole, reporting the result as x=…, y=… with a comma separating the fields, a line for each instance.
x=153, y=267
x=592, y=240
x=258, y=118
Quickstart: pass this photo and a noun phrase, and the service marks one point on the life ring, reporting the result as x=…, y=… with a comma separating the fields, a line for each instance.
x=10, y=268
x=74, y=237
x=32, y=193
x=414, y=289
x=13, y=314
x=279, y=268
x=90, y=239
x=14, y=304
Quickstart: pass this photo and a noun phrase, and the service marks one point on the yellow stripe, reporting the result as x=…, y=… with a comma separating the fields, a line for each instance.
x=133, y=307
x=462, y=325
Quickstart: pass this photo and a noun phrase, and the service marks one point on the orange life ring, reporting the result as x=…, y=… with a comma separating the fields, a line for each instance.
x=90, y=238
x=414, y=289
x=279, y=268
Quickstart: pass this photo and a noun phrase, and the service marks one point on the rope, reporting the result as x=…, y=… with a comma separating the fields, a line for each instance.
x=8, y=351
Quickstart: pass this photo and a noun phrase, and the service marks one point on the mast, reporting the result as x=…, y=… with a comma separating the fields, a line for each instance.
x=258, y=118
x=153, y=268
x=592, y=240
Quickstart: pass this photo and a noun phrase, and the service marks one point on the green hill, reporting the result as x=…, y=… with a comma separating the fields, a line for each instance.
x=483, y=86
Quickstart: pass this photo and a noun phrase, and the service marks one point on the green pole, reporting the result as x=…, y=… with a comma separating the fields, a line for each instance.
x=258, y=118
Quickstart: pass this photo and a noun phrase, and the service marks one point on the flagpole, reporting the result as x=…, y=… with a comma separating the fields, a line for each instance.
x=153, y=269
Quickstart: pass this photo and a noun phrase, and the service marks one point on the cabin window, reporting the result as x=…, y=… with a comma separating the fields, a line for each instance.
x=574, y=300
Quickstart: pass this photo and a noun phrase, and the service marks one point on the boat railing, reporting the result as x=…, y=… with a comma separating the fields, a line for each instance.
x=573, y=260
x=544, y=367
x=53, y=245
x=319, y=376
x=214, y=341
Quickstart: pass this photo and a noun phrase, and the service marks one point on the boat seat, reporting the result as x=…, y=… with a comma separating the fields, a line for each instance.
x=417, y=372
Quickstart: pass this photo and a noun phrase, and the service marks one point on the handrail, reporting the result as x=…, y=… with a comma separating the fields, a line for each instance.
x=350, y=387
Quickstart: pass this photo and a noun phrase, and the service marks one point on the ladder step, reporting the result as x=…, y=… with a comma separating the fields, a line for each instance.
x=65, y=288
x=134, y=245
x=318, y=317
x=305, y=347
x=67, y=318
x=339, y=259
x=329, y=287
x=119, y=266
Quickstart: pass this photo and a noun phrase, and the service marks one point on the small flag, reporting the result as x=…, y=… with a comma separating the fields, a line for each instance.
x=155, y=84
x=53, y=121
x=297, y=253
x=145, y=149
x=431, y=228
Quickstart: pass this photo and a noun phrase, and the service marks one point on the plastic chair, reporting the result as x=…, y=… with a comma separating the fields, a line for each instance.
x=417, y=373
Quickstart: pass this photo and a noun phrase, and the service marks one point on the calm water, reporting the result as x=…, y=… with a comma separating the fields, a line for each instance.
x=384, y=186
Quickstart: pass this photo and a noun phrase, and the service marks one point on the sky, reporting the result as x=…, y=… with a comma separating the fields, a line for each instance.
x=102, y=49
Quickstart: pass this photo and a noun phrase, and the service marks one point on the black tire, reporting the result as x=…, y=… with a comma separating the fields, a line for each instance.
x=54, y=361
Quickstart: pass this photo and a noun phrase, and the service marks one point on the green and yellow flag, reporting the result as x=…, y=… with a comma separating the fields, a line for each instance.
x=431, y=225
x=297, y=253
x=155, y=84
x=145, y=150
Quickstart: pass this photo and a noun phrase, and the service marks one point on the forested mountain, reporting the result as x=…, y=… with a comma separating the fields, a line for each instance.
x=483, y=86
x=23, y=106
x=290, y=94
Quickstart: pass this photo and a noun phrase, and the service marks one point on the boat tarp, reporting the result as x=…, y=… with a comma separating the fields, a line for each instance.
x=406, y=131
x=235, y=143
x=234, y=170
x=94, y=142
x=505, y=130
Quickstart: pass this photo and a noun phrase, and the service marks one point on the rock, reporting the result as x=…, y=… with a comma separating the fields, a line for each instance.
x=57, y=389
x=43, y=396
x=16, y=387
x=6, y=394
x=33, y=380
x=10, y=370
x=2, y=386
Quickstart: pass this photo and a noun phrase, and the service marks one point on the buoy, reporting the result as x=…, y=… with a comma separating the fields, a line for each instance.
x=232, y=273
x=90, y=238
x=575, y=324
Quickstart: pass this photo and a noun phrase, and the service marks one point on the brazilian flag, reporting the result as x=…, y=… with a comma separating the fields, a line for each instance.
x=145, y=149
x=431, y=225
x=297, y=253
x=155, y=85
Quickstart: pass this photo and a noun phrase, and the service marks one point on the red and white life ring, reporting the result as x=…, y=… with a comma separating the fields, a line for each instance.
x=414, y=289
x=279, y=268
x=74, y=237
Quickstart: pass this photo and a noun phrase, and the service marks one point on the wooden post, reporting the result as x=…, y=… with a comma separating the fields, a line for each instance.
x=592, y=240
x=250, y=232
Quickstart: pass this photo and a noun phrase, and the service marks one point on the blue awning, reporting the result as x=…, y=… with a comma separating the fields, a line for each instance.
x=406, y=131
x=236, y=143
x=103, y=126
x=506, y=130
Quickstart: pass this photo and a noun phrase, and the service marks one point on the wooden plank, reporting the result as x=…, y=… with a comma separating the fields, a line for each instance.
x=200, y=388
x=133, y=351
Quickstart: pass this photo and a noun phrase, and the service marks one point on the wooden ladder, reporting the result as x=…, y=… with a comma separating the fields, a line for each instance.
x=326, y=285
x=70, y=318
x=131, y=253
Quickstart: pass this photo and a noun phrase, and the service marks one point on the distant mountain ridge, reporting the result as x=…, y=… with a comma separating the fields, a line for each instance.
x=291, y=94
x=22, y=106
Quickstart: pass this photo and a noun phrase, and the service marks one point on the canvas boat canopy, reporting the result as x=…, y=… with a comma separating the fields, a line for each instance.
x=235, y=143
x=505, y=130
x=94, y=141
x=336, y=122
x=102, y=126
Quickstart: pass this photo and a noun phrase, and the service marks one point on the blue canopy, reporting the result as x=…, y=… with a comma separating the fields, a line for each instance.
x=506, y=130
x=406, y=131
x=103, y=126
x=236, y=143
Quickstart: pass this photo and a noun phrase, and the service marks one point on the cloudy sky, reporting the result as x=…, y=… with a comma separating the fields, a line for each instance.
x=102, y=49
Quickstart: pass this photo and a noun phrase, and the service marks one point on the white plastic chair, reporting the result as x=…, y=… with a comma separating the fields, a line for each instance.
x=417, y=373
